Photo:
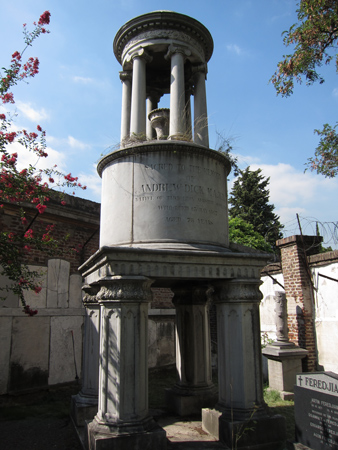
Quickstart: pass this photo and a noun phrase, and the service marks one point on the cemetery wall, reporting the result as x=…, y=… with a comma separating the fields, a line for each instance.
x=47, y=349
x=317, y=330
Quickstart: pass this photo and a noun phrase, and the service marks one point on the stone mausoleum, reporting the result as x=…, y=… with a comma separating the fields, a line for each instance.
x=164, y=223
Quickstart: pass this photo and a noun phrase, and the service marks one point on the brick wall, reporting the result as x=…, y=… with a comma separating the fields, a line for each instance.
x=162, y=298
x=76, y=224
x=299, y=294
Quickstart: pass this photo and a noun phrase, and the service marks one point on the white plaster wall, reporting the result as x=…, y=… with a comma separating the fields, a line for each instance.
x=326, y=312
x=267, y=306
x=326, y=308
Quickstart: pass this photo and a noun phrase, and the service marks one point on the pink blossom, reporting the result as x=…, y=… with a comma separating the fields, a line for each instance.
x=29, y=234
x=17, y=56
x=41, y=208
x=44, y=18
x=29, y=311
x=7, y=98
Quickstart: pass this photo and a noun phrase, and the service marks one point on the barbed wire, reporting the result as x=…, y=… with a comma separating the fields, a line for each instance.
x=312, y=226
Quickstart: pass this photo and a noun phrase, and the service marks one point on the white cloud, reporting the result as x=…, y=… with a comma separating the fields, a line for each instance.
x=70, y=141
x=32, y=114
x=234, y=48
x=93, y=182
x=25, y=158
x=84, y=80
x=335, y=92
x=75, y=143
x=292, y=191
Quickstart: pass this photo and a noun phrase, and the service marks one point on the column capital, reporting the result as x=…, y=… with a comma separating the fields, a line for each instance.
x=190, y=294
x=154, y=95
x=90, y=292
x=126, y=75
x=139, y=53
x=172, y=49
x=238, y=291
x=125, y=289
x=200, y=68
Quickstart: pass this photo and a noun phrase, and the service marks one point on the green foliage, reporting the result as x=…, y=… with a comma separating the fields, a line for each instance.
x=325, y=160
x=315, y=40
x=271, y=396
x=242, y=232
x=224, y=145
x=249, y=198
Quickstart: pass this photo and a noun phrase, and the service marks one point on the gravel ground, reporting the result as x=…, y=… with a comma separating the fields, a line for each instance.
x=38, y=420
x=38, y=434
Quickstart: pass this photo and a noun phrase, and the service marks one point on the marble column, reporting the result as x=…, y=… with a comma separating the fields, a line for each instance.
x=126, y=78
x=84, y=404
x=122, y=420
x=201, y=133
x=240, y=382
x=138, y=94
x=152, y=103
x=177, y=56
x=194, y=388
x=188, y=121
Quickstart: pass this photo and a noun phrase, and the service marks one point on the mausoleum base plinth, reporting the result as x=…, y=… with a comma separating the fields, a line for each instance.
x=83, y=408
x=261, y=432
x=284, y=362
x=145, y=435
x=186, y=402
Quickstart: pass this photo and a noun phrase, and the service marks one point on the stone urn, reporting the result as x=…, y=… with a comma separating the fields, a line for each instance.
x=159, y=119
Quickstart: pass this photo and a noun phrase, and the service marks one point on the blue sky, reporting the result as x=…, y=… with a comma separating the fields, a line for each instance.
x=76, y=96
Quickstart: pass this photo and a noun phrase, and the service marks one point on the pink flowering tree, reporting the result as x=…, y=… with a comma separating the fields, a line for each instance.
x=25, y=186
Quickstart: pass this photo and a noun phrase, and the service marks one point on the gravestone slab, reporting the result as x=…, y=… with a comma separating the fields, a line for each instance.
x=316, y=410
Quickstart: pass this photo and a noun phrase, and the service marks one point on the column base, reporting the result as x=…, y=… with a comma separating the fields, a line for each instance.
x=83, y=408
x=284, y=362
x=106, y=437
x=189, y=402
x=261, y=433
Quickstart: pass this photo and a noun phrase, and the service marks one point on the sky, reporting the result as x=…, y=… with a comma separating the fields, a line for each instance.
x=76, y=97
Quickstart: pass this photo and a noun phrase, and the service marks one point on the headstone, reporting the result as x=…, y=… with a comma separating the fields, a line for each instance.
x=316, y=410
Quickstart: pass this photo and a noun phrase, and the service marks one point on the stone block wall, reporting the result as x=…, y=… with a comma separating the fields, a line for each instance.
x=161, y=329
x=46, y=349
